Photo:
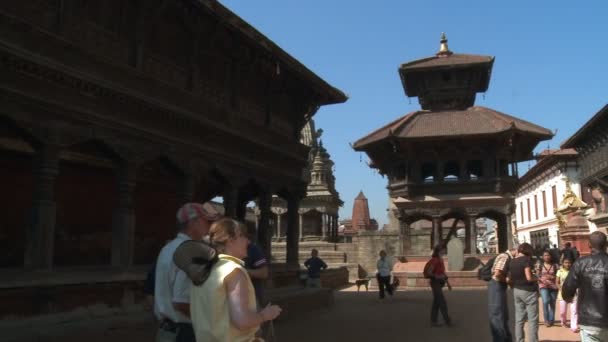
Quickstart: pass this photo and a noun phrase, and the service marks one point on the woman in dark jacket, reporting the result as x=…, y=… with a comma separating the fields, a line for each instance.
x=525, y=293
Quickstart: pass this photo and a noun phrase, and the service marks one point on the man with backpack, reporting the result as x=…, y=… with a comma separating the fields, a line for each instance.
x=497, y=294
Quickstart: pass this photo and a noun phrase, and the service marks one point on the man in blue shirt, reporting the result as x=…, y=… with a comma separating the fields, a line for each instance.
x=257, y=267
x=314, y=265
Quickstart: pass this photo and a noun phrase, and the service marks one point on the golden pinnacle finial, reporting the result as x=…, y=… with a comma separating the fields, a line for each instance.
x=443, y=48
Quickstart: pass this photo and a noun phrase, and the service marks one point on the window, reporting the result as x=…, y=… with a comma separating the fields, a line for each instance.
x=529, y=215
x=428, y=172
x=554, y=194
x=544, y=204
x=475, y=169
x=451, y=171
x=521, y=212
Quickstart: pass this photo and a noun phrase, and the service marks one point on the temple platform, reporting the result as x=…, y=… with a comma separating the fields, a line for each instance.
x=410, y=273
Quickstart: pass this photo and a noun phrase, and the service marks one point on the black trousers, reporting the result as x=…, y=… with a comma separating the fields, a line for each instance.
x=498, y=311
x=384, y=283
x=183, y=331
x=439, y=303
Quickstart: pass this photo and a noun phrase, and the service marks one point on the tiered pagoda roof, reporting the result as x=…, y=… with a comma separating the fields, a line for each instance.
x=474, y=120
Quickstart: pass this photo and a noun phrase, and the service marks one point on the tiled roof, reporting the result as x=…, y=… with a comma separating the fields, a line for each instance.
x=447, y=61
x=451, y=123
x=557, y=152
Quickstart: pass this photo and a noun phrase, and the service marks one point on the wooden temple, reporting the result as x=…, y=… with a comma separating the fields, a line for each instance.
x=451, y=159
x=114, y=113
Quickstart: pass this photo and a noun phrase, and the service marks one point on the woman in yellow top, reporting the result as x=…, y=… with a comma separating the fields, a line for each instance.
x=223, y=308
x=562, y=273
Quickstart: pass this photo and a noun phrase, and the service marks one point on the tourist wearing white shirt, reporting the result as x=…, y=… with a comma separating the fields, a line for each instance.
x=172, y=285
x=383, y=275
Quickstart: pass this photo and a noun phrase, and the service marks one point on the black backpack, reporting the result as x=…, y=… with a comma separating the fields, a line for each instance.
x=485, y=271
x=195, y=258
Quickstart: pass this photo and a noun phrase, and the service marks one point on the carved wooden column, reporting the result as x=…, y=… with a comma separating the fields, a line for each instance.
x=41, y=233
x=123, y=220
x=464, y=175
x=472, y=234
x=256, y=215
x=324, y=225
x=405, y=234
x=279, y=214
x=300, y=224
x=436, y=238
x=334, y=228
x=294, y=228
x=264, y=235
x=241, y=209
x=509, y=233
x=230, y=200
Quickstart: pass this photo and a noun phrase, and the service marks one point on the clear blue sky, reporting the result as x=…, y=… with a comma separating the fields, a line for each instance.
x=551, y=64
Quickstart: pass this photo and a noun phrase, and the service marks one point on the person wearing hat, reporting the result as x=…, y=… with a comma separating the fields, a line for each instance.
x=224, y=303
x=172, y=286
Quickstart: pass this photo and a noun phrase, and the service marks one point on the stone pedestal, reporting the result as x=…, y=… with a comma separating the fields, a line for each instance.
x=576, y=231
x=455, y=255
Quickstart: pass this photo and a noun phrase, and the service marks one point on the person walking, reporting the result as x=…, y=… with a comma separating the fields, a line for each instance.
x=525, y=293
x=547, y=283
x=562, y=274
x=172, y=285
x=315, y=265
x=568, y=252
x=435, y=271
x=498, y=310
x=383, y=275
x=589, y=275
x=555, y=254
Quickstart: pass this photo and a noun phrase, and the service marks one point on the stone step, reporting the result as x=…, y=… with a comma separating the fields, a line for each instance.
x=308, y=246
x=327, y=256
x=318, y=245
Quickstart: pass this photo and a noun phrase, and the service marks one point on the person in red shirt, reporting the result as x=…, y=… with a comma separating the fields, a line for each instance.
x=438, y=279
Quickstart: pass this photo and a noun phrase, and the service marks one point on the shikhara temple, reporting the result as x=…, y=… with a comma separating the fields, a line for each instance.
x=451, y=159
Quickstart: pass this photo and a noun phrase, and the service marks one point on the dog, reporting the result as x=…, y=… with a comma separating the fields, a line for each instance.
x=362, y=282
x=395, y=283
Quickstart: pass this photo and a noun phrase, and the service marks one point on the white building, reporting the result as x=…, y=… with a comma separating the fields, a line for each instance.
x=540, y=191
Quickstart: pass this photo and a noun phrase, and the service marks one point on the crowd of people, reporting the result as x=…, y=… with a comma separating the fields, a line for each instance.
x=211, y=266
x=562, y=276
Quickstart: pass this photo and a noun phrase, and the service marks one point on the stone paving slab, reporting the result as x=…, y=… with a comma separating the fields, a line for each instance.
x=354, y=317
x=405, y=317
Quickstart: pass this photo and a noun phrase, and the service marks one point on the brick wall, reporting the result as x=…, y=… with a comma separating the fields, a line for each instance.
x=48, y=300
x=283, y=276
x=155, y=205
x=457, y=279
x=86, y=198
x=16, y=180
x=369, y=244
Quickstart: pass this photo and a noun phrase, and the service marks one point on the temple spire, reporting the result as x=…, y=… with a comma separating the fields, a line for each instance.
x=444, y=51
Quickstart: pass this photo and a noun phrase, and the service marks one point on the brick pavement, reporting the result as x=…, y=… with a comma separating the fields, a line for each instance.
x=354, y=317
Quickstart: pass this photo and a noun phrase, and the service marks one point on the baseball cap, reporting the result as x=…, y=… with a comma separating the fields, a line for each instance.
x=191, y=211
